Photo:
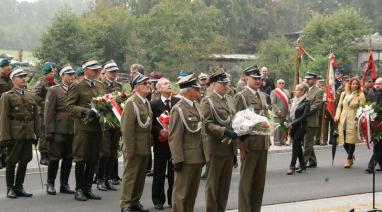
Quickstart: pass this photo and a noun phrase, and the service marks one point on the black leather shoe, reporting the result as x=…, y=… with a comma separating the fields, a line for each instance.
x=44, y=159
x=138, y=207
x=20, y=192
x=110, y=186
x=79, y=195
x=150, y=173
x=369, y=171
x=90, y=195
x=101, y=185
x=159, y=207
x=65, y=189
x=11, y=193
x=50, y=189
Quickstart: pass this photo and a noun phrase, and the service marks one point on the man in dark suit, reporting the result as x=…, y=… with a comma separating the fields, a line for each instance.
x=162, y=154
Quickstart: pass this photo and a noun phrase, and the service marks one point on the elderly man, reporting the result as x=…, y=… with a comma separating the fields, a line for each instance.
x=268, y=83
x=218, y=111
x=280, y=99
x=19, y=127
x=186, y=145
x=87, y=129
x=376, y=158
x=162, y=154
x=315, y=96
x=136, y=135
x=253, y=148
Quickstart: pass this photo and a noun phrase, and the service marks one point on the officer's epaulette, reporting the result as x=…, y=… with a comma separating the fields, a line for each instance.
x=98, y=81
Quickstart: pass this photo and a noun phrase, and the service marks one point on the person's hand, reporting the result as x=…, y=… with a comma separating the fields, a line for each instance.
x=50, y=137
x=228, y=132
x=90, y=114
x=279, y=113
x=290, y=126
x=178, y=167
x=336, y=119
x=243, y=153
x=163, y=135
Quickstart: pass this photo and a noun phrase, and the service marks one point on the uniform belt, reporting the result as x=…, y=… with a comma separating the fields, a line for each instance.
x=22, y=119
x=63, y=113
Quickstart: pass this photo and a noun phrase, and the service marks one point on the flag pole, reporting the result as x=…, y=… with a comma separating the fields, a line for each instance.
x=298, y=63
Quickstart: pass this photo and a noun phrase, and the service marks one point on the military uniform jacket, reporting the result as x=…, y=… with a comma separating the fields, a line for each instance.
x=136, y=125
x=56, y=118
x=315, y=96
x=186, y=130
x=40, y=91
x=217, y=115
x=109, y=88
x=19, y=116
x=243, y=100
x=79, y=98
x=5, y=84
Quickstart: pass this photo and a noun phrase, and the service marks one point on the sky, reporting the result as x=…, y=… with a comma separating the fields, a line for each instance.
x=27, y=0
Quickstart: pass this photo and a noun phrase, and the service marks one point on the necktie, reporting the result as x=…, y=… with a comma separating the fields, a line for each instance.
x=167, y=105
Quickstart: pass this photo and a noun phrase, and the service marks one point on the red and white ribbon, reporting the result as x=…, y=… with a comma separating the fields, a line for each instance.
x=364, y=125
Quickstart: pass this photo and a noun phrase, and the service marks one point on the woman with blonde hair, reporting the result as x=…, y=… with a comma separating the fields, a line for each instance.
x=298, y=114
x=351, y=99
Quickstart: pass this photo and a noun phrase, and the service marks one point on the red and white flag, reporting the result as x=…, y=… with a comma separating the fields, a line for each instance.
x=330, y=88
x=371, y=69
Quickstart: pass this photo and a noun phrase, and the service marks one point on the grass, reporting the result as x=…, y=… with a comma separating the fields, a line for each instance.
x=27, y=55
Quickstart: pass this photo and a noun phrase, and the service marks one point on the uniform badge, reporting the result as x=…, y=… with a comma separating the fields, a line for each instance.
x=16, y=108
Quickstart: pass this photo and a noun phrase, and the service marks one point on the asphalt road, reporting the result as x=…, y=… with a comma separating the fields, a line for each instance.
x=324, y=181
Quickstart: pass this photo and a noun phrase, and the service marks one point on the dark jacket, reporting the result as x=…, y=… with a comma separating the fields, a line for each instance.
x=301, y=115
x=157, y=107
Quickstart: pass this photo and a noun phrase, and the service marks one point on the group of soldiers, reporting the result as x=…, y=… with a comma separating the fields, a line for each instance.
x=59, y=118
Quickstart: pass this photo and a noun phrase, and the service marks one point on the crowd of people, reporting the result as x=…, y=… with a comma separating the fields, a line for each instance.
x=57, y=116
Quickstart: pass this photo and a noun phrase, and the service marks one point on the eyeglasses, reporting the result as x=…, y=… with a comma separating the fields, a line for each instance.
x=281, y=83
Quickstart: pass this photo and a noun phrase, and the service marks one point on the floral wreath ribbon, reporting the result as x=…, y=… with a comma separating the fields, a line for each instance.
x=364, y=125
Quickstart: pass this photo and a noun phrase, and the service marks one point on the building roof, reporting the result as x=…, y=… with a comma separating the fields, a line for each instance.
x=233, y=56
x=376, y=42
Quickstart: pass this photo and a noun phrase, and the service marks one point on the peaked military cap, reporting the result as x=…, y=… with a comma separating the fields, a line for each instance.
x=252, y=71
x=91, y=64
x=219, y=76
x=188, y=81
x=66, y=69
x=17, y=72
x=111, y=66
x=154, y=77
x=310, y=75
x=138, y=79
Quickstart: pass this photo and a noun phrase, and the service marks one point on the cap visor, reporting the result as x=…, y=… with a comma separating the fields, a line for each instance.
x=95, y=67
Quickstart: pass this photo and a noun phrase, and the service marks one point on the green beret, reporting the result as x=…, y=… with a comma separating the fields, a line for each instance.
x=48, y=66
x=79, y=71
x=14, y=65
x=4, y=62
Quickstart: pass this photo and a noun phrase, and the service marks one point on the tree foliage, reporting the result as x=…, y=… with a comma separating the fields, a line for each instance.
x=339, y=31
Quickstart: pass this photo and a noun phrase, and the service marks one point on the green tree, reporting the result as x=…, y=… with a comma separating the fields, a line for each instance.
x=65, y=41
x=339, y=31
x=178, y=34
x=279, y=56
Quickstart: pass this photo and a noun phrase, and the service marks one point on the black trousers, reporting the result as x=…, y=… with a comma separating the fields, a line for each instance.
x=298, y=138
x=350, y=148
x=161, y=164
x=376, y=158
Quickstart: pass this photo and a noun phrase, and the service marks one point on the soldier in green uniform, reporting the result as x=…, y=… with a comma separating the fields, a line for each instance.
x=40, y=90
x=110, y=136
x=186, y=145
x=5, y=85
x=87, y=129
x=20, y=128
x=218, y=111
x=136, y=135
x=59, y=131
x=253, y=148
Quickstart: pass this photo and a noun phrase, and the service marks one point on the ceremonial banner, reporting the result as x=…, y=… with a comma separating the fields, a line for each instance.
x=330, y=88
